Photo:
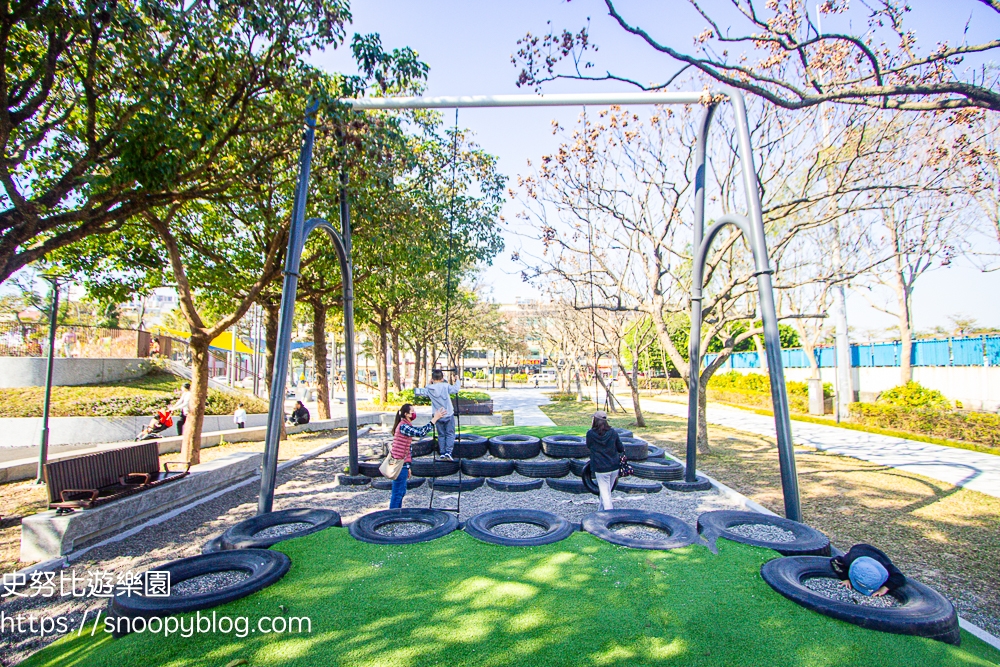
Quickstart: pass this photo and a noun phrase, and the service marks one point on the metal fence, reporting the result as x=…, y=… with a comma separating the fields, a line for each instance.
x=31, y=340
x=966, y=351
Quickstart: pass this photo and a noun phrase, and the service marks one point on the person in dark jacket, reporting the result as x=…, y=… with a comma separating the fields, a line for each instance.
x=300, y=415
x=606, y=450
x=867, y=570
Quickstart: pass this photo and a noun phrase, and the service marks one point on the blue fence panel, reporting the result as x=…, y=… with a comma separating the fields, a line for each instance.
x=709, y=358
x=993, y=350
x=885, y=354
x=827, y=357
x=967, y=351
x=794, y=358
x=861, y=356
x=746, y=360
x=932, y=353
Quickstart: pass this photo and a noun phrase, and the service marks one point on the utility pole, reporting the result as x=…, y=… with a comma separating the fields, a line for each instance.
x=43, y=445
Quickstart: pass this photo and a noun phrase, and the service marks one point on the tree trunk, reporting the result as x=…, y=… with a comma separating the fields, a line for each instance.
x=703, y=446
x=761, y=353
x=381, y=362
x=319, y=358
x=905, y=330
x=579, y=382
x=191, y=446
x=418, y=353
x=271, y=347
x=633, y=383
x=397, y=378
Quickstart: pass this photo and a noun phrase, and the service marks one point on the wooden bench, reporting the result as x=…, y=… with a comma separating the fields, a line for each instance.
x=87, y=481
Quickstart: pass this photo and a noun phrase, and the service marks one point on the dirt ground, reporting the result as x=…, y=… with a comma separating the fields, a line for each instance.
x=945, y=536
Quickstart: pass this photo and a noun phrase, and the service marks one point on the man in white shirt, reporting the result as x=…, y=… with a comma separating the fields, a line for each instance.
x=240, y=417
x=182, y=406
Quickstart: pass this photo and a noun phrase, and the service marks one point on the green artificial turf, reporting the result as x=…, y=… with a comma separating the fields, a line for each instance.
x=580, y=602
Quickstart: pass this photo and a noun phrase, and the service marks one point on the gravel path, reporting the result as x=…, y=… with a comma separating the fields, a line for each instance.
x=833, y=589
x=282, y=529
x=208, y=582
x=759, y=531
x=310, y=484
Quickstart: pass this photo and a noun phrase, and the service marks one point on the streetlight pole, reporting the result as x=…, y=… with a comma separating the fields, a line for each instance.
x=43, y=445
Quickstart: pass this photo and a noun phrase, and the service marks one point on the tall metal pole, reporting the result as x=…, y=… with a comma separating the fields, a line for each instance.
x=276, y=402
x=43, y=445
x=352, y=404
x=769, y=315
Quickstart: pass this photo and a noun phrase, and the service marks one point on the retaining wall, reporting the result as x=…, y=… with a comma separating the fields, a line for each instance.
x=67, y=372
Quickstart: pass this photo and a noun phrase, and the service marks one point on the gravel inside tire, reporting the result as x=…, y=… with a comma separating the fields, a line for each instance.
x=452, y=484
x=807, y=540
x=921, y=611
x=384, y=484
x=438, y=524
x=601, y=524
x=251, y=533
x=542, y=469
x=468, y=446
x=487, y=467
x=661, y=470
x=515, y=446
x=433, y=468
x=555, y=528
x=514, y=486
x=262, y=568
x=566, y=485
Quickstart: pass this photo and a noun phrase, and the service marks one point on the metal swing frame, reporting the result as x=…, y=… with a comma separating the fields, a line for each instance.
x=750, y=225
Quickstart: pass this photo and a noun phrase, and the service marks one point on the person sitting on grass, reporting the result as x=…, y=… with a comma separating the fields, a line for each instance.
x=606, y=451
x=300, y=415
x=440, y=392
x=867, y=570
x=403, y=433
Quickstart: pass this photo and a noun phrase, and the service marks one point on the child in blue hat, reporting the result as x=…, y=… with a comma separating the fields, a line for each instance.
x=867, y=570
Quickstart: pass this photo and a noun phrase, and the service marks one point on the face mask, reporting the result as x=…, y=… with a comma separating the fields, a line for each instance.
x=413, y=415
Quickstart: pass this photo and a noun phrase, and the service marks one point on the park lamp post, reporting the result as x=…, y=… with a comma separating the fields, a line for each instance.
x=43, y=444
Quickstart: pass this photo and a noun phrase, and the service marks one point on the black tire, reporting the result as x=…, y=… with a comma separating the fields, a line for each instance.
x=922, y=610
x=487, y=468
x=383, y=484
x=515, y=487
x=451, y=485
x=565, y=446
x=423, y=447
x=354, y=480
x=656, y=452
x=264, y=566
x=432, y=468
x=441, y=523
x=241, y=536
x=624, y=433
x=576, y=466
x=635, y=449
x=515, y=446
x=589, y=480
x=629, y=485
x=808, y=541
x=599, y=524
x=369, y=468
x=556, y=528
x=540, y=469
x=661, y=470
x=567, y=485
x=469, y=446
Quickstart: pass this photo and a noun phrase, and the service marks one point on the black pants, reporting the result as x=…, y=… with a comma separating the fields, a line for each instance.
x=180, y=423
x=241, y=425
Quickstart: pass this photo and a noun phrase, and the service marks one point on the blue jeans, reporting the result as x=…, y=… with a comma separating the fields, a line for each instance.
x=446, y=435
x=399, y=488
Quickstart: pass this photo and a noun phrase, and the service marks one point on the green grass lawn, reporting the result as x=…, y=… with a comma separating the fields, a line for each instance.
x=580, y=602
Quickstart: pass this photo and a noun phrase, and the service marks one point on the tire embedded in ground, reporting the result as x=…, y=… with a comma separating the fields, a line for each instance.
x=635, y=449
x=627, y=486
x=365, y=527
x=655, y=452
x=808, y=541
x=556, y=528
x=487, y=468
x=624, y=433
x=264, y=567
x=353, y=480
x=700, y=483
x=661, y=470
x=423, y=447
x=515, y=486
x=565, y=446
x=369, y=468
x=383, y=484
x=576, y=466
x=451, y=485
x=541, y=469
x=599, y=524
x=515, y=446
x=432, y=468
x=567, y=485
x=468, y=446
x=922, y=610
x=242, y=535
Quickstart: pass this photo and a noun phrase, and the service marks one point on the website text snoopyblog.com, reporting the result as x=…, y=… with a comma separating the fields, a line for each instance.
x=168, y=626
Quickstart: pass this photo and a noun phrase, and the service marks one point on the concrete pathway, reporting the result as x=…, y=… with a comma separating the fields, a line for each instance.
x=961, y=467
x=524, y=403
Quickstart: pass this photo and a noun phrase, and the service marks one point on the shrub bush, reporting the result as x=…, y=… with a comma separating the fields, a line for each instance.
x=914, y=395
x=564, y=396
x=978, y=427
x=518, y=377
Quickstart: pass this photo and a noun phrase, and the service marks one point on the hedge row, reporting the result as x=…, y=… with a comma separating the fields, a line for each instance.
x=979, y=427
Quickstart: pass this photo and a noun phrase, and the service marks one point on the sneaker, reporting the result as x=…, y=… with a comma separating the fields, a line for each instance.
x=446, y=457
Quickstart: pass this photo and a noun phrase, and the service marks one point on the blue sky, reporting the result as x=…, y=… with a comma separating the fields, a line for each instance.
x=468, y=46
